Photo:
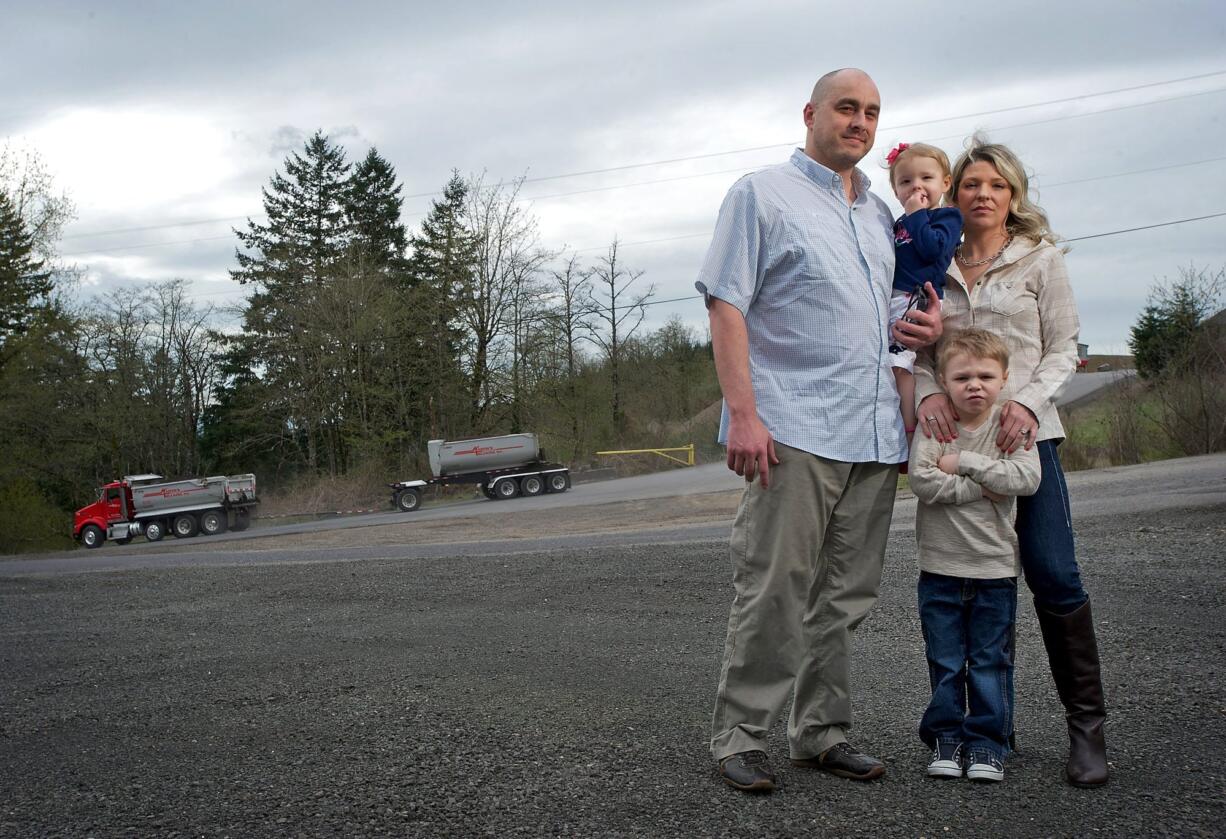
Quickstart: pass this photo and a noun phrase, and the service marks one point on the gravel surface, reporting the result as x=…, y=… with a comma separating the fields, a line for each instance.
x=560, y=693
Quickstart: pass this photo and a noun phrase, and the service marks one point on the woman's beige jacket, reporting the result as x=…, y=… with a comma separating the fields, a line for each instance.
x=1026, y=299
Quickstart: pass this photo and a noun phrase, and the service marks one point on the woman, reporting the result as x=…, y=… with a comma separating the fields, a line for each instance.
x=1009, y=277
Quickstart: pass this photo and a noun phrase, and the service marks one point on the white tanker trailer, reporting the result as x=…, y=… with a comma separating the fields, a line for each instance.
x=504, y=467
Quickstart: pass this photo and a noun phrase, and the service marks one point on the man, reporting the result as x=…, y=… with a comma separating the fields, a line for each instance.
x=797, y=282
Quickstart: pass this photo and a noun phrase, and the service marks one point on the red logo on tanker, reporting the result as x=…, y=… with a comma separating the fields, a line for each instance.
x=480, y=450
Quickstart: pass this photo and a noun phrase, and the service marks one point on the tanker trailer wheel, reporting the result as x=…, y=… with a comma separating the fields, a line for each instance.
x=531, y=485
x=558, y=482
x=213, y=522
x=155, y=530
x=408, y=500
x=92, y=537
x=184, y=526
x=242, y=519
x=505, y=488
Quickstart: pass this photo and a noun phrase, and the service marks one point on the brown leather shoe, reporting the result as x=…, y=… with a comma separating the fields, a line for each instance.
x=748, y=771
x=844, y=760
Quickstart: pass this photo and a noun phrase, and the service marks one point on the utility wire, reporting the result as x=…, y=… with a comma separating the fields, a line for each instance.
x=621, y=245
x=1064, y=100
x=683, y=177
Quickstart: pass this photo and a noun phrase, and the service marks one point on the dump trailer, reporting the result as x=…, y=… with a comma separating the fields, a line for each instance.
x=503, y=467
x=146, y=504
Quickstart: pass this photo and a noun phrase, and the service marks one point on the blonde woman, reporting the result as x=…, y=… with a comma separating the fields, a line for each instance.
x=1009, y=277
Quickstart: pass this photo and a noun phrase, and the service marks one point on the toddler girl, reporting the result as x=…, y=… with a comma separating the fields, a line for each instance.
x=925, y=237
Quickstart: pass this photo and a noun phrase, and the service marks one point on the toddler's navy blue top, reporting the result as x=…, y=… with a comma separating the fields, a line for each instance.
x=924, y=243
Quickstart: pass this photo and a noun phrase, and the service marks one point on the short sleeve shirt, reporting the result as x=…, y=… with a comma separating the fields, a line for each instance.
x=812, y=276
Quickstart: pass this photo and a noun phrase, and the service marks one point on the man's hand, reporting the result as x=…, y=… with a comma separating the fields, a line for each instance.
x=751, y=450
x=920, y=329
x=936, y=415
x=948, y=463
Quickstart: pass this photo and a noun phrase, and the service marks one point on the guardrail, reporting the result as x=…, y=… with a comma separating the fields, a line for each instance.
x=689, y=460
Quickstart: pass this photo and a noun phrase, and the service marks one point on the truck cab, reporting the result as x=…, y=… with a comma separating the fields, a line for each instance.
x=110, y=517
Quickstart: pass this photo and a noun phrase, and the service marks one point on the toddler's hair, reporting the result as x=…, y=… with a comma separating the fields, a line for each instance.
x=917, y=150
x=976, y=343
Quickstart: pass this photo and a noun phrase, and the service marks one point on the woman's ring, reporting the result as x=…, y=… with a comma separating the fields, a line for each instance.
x=931, y=419
x=1025, y=432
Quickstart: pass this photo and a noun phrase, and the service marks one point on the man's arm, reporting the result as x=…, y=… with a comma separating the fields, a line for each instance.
x=750, y=447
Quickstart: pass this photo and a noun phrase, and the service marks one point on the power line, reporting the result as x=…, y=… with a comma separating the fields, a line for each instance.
x=664, y=180
x=1064, y=100
x=707, y=234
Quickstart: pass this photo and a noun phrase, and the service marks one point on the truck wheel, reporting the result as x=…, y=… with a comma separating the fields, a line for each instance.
x=408, y=500
x=213, y=522
x=506, y=488
x=531, y=485
x=92, y=537
x=559, y=482
x=184, y=526
x=242, y=519
x=155, y=530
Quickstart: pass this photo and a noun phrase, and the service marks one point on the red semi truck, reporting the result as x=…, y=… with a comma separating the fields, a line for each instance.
x=143, y=503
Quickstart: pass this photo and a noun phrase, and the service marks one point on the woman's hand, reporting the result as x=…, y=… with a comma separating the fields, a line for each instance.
x=936, y=415
x=1017, y=427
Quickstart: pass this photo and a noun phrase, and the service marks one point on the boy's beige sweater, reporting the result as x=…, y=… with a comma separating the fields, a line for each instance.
x=960, y=532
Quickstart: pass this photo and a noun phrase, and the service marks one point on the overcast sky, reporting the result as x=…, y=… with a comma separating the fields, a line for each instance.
x=172, y=116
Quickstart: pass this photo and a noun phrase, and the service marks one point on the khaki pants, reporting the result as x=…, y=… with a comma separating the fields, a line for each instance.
x=807, y=555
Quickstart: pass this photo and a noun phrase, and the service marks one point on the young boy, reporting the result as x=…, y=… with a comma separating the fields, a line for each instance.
x=968, y=559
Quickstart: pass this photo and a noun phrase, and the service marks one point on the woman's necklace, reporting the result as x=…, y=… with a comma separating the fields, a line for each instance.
x=979, y=262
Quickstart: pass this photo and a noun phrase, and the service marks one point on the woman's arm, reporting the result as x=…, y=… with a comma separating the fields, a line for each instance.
x=1059, y=326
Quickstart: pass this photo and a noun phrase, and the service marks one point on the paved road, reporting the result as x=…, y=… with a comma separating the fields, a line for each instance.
x=1084, y=385
x=567, y=692
x=1120, y=492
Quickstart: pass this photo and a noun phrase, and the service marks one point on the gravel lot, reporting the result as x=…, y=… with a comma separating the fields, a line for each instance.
x=560, y=693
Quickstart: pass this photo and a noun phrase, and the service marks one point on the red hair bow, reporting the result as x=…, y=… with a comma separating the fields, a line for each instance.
x=895, y=152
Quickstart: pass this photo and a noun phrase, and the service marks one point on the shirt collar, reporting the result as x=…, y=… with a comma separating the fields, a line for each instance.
x=826, y=177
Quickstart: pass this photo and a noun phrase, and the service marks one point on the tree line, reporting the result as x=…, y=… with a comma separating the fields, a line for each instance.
x=359, y=340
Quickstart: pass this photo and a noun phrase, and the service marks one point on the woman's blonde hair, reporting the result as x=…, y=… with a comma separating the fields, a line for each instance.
x=903, y=150
x=1026, y=218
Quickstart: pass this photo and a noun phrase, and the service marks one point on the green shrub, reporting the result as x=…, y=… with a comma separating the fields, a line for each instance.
x=29, y=522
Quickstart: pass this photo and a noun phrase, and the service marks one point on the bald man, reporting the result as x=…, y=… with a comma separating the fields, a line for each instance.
x=797, y=283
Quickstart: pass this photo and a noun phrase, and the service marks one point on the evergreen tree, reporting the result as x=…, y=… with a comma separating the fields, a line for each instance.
x=289, y=260
x=440, y=273
x=25, y=287
x=372, y=208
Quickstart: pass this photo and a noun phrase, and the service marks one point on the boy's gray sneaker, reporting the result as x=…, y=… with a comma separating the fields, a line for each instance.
x=984, y=766
x=946, y=761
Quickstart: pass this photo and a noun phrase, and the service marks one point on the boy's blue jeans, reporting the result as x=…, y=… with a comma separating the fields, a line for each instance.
x=968, y=632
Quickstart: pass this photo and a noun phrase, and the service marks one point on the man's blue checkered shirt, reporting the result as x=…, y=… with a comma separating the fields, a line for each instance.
x=812, y=277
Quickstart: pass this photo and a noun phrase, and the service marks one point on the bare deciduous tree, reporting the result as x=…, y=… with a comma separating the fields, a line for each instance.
x=618, y=312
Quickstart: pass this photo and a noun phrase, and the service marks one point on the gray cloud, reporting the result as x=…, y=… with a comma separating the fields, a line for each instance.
x=549, y=89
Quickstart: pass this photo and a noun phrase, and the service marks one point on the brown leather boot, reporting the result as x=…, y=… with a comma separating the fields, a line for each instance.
x=1073, y=653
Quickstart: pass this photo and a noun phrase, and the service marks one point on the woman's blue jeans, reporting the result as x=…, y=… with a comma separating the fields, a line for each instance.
x=968, y=633
x=1045, y=537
